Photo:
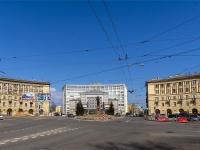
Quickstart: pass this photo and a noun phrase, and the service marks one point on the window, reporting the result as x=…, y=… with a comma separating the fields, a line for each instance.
x=174, y=97
x=168, y=91
x=163, y=98
x=193, y=89
x=163, y=104
x=168, y=97
x=186, y=82
x=4, y=104
x=187, y=103
x=168, y=84
x=162, y=85
x=180, y=90
x=180, y=97
x=180, y=103
x=180, y=83
x=156, y=85
x=186, y=97
x=173, y=90
x=187, y=90
x=193, y=96
x=25, y=104
x=174, y=84
x=157, y=91
x=193, y=81
x=174, y=103
x=15, y=104
x=156, y=99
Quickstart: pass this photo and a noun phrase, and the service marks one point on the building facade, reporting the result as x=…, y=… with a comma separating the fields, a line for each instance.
x=107, y=93
x=24, y=97
x=177, y=94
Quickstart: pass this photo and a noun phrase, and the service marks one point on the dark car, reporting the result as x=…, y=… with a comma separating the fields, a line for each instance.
x=70, y=115
x=192, y=117
x=56, y=114
x=173, y=117
x=128, y=114
x=198, y=116
x=117, y=115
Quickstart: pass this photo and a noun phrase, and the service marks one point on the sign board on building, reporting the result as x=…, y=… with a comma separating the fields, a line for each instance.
x=44, y=96
x=28, y=96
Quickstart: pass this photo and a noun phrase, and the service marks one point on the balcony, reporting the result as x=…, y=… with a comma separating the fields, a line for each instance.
x=167, y=101
x=193, y=100
x=156, y=101
x=180, y=100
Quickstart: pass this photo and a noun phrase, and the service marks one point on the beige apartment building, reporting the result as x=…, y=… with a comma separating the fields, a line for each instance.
x=24, y=97
x=180, y=93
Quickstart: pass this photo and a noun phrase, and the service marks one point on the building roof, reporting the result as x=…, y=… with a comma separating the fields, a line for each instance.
x=175, y=78
x=24, y=81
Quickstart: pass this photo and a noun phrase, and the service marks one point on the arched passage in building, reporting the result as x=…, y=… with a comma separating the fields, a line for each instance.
x=30, y=111
x=194, y=111
x=20, y=110
x=157, y=111
x=9, y=112
x=169, y=111
x=41, y=112
x=181, y=111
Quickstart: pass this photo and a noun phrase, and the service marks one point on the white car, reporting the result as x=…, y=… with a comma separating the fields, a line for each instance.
x=64, y=115
x=1, y=117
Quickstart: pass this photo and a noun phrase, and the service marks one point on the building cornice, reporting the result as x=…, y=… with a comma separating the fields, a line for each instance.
x=24, y=81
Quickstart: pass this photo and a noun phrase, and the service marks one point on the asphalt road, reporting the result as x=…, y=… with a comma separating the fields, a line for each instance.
x=128, y=133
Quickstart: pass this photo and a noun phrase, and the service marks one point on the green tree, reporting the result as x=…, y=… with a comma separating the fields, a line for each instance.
x=79, y=109
x=111, y=109
x=52, y=107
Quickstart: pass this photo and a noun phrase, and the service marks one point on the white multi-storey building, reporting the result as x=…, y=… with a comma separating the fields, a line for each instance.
x=117, y=93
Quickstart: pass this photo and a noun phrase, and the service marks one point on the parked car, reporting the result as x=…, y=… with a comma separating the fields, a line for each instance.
x=117, y=115
x=192, y=117
x=70, y=115
x=161, y=117
x=173, y=117
x=1, y=117
x=198, y=116
x=56, y=114
x=64, y=115
x=128, y=114
x=182, y=118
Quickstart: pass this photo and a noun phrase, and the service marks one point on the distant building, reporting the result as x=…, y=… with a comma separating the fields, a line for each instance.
x=58, y=109
x=24, y=97
x=180, y=93
x=72, y=94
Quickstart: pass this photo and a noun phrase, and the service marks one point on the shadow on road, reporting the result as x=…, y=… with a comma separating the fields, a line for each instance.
x=148, y=145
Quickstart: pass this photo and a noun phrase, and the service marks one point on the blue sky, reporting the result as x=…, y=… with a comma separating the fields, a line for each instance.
x=65, y=42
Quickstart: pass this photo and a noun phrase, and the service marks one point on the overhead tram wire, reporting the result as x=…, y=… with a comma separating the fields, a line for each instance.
x=185, y=22
x=123, y=66
x=173, y=46
x=150, y=60
x=94, y=49
x=106, y=35
x=118, y=39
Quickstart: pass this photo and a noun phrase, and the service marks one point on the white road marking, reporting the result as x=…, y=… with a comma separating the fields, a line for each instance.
x=41, y=134
x=25, y=139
